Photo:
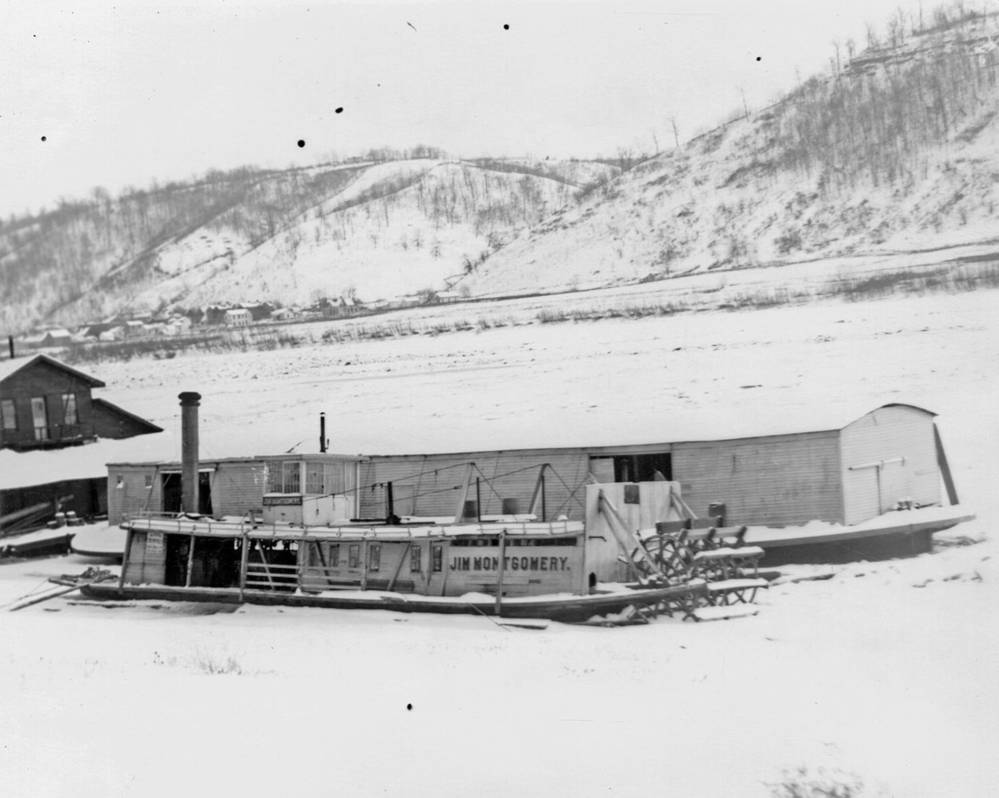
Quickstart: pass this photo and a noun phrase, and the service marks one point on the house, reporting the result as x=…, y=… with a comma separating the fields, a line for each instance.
x=840, y=467
x=116, y=333
x=238, y=317
x=46, y=403
x=56, y=337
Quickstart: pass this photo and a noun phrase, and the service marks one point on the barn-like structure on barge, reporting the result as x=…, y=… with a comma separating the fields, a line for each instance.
x=848, y=471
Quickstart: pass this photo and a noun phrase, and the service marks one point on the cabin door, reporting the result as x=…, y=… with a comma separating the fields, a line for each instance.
x=437, y=568
x=172, y=493
x=40, y=418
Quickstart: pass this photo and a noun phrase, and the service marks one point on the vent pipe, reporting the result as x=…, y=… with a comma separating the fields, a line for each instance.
x=189, y=403
x=322, y=432
x=10, y=345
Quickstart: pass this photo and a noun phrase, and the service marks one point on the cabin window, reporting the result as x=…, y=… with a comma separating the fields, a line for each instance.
x=334, y=555
x=631, y=494
x=69, y=415
x=292, y=479
x=274, y=481
x=148, y=480
x=437, y=557
x=354, y=555
x=8, y=414
x=314, y=478
x=415, y=560
x=39, y=417
x=374, y=556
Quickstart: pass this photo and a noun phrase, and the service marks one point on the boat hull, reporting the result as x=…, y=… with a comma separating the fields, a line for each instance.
x=568, y=609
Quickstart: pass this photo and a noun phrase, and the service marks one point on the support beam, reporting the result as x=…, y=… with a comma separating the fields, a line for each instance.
x=944, y=466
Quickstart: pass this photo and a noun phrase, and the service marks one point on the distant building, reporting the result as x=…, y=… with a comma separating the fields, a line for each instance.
x=46, y=403
x=112, y=334
x=57, y=337
x=238, y=317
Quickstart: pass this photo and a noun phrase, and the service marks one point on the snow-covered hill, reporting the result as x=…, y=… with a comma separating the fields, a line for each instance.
x=374, y=230
x=897, y=150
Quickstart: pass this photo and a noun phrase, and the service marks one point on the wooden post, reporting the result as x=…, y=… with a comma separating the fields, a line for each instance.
x=190, y=560
x=499, y=573
x=364, y=564
x=478, y=501
x=125, y=556
x=944, y=467
x=244, y=559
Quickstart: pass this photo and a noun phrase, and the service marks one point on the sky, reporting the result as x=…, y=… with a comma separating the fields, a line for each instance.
x=97, y=94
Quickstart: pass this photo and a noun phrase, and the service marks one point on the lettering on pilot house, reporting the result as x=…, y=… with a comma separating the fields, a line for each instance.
x=510, y=563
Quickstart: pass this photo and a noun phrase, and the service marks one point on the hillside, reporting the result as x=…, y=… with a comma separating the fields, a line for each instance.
x=894, y=150
x=374, y=229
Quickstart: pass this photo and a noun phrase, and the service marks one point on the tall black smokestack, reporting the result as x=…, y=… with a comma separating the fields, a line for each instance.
x=10, y=345
x=322, y=432
x=189, y=403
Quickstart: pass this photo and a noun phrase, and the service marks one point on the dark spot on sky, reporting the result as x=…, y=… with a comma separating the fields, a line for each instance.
x=340, y=109
x=44, y=138
x=759, y=58
x=409, y=707
x=301, y=142
x=506, y=27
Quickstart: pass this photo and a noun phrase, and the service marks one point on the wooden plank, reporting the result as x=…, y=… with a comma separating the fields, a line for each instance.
x=125, y=556
x=499, y=573
x=398, y=568
x=944, y=467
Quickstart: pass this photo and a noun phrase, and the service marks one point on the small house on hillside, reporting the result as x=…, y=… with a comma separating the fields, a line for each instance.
x=238, y=317
x=46, y=403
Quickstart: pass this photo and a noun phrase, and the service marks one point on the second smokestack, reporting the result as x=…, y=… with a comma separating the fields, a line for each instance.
x=189, y=403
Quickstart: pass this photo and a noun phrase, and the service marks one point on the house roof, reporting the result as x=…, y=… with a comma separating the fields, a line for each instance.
x=110, y=407
x=8, y=368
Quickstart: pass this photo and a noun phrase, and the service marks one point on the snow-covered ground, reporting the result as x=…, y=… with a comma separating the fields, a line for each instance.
x=882, y=674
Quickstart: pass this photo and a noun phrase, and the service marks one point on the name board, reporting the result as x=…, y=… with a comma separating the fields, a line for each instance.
x=154, y=543
x=282, y=501
x=511, y=563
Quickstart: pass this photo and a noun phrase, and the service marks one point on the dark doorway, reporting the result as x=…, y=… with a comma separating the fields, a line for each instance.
x=177, y=550
x=643, y=467
x=172, y=493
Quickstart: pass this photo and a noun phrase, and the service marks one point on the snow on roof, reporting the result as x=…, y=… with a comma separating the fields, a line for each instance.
x=11, y=366
x=231, y=441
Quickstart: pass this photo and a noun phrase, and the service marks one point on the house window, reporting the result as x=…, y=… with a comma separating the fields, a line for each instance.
x=415, y=559
x=149, y=480
x=69, y=415
x=354, y=555
x=8, y=413
x=374, y=556
x=437, y=557
x=314, y=478
x=334, y=555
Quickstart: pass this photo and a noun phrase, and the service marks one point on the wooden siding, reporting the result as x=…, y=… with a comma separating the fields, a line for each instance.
x=146, y=559
x=532, y=567
x=46, y=380
x=432, y=485
x=237, y=487
x=888, y=434
x=782, y=479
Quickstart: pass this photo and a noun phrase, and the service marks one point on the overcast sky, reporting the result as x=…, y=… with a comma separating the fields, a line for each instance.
x=126, y=94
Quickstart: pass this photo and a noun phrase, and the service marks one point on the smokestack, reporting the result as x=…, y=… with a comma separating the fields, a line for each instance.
x=322, y=432
x=189, y=403
x=10, y=345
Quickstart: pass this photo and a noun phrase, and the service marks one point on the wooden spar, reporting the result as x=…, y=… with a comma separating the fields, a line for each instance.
x=34, y=509
x=398, y=568
x=499, y=573
x=620, y=531
x=464, y=494
x=539, y=492
x=322, y=561
x=125, y=556
x=944, y=466
x=478, y=501
x=263, y=560
x=244, y=559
